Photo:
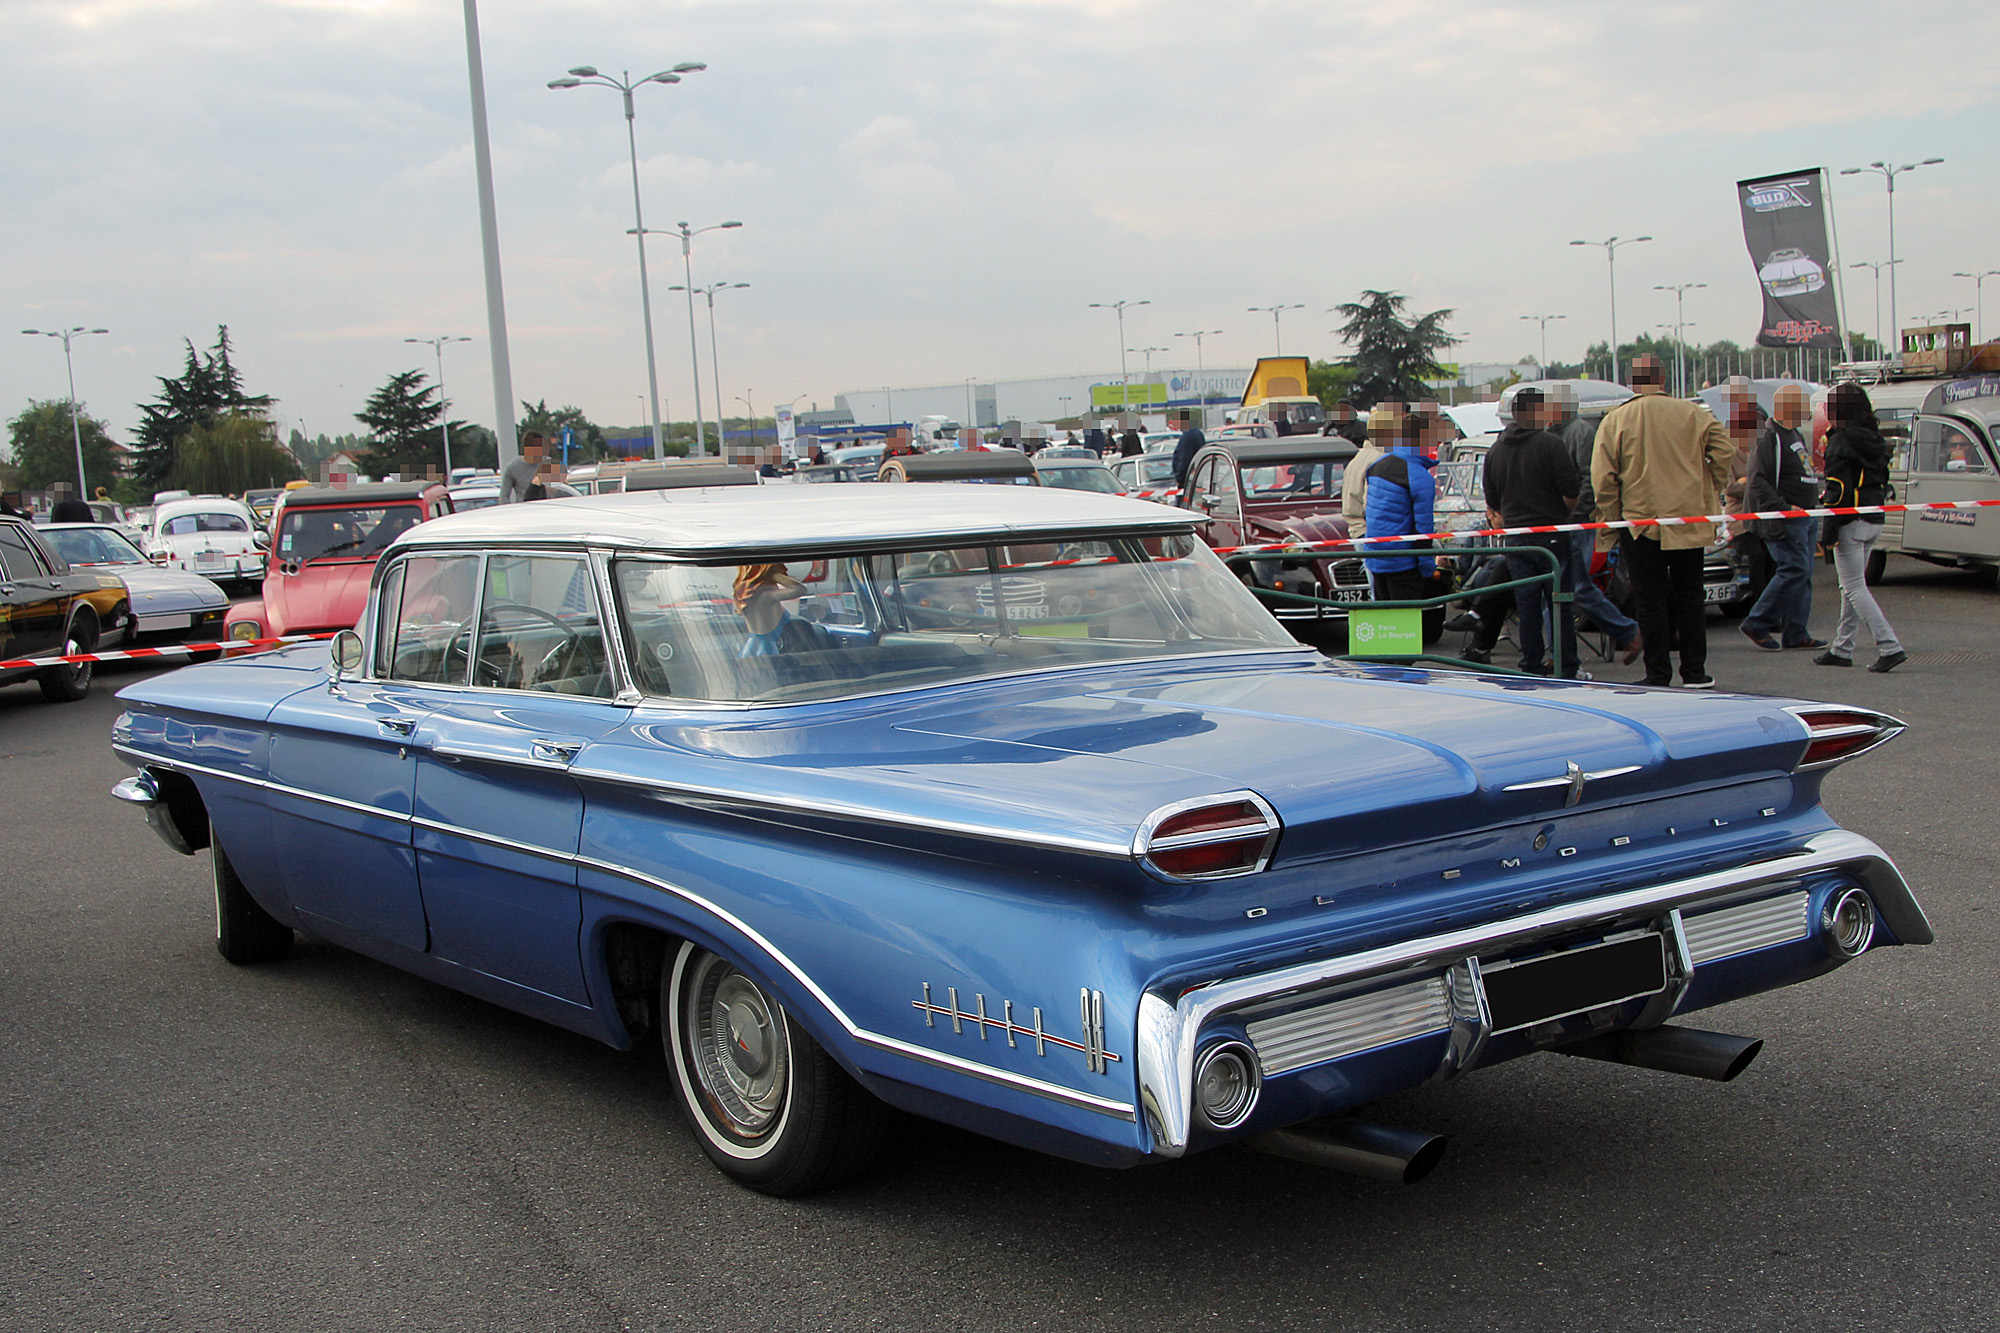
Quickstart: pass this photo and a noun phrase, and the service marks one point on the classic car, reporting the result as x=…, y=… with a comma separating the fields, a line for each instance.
x=1791, y=272
x=1253, y=491
x=46, y=608
x=991, y=467
x=1010, y=809
x=485, y=492
x=327, y=540
x=1077, y=474
x=211, y=536
x=147, y=599
x=1148, y=476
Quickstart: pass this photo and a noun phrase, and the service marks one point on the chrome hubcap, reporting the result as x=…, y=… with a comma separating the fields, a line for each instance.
x=736, y=1039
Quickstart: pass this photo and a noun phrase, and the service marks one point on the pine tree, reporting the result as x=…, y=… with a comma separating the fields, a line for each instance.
x=208, y=386
x=402, y=419
x=1392, y=356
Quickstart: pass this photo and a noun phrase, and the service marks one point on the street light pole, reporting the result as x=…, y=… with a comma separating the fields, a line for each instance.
x=970, y=415
x=587, y=74
x=1611, y=262
x=1979, y=296
x=714, y=361
x=1881, y=348
x=1680, y=291
x=444, y=417
x=1889, y=174
x=1124, y=393
x=75, y=429
x=489, y=245
x=1277, y=313
x=1543, y=320
x=687, y=235
x=1147, y=352
x=1200, y=371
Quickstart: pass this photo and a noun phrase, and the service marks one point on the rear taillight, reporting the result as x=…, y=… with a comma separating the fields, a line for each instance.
x=1835, y=734
x=1210, y=837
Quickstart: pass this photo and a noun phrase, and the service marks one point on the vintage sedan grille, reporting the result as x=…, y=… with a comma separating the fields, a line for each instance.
x=1347, y=1026
x=1758, y=925
x=1349, y=574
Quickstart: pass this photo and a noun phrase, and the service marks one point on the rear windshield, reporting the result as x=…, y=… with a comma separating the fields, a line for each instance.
x=187, y=525
x=343, y=533
x=866, y=623
x=1306, y=479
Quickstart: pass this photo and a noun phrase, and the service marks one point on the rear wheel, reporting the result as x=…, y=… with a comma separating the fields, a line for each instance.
x=771, y=1108
x=70, y=682
x=244, y=932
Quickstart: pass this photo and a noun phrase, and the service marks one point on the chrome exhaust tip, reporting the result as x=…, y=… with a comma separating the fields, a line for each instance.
x=1379, y=1152
x=1711, y=1055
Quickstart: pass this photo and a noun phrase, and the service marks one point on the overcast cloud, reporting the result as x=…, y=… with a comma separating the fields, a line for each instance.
x=935, y=189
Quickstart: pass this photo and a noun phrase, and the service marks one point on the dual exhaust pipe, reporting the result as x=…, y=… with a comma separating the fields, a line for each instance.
x=1405, y=1156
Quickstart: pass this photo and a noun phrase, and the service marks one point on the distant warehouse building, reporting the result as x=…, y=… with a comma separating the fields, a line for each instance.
x=1055, y=398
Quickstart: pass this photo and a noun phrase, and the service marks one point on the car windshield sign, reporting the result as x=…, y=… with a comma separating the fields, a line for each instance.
x=342, y=533
x=869, y=623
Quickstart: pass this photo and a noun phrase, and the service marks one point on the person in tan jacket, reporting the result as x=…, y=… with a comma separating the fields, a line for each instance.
x=1382, y=424
x=1661, y=457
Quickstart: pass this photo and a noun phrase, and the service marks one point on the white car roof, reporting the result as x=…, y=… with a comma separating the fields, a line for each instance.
x=199, y=505
x=722, y=520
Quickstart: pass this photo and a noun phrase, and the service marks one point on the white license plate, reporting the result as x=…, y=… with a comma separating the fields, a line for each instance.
x=207, y=558
x=1348, y=595
x=153, y=623
x=1719, y=592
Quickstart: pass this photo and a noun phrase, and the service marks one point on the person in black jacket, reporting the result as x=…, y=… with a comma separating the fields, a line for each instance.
x=1857, y=473
x=1190, y=443
x=1532, y=480
x=1780, y=476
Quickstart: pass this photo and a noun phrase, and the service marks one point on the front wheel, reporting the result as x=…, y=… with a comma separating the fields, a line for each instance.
x=244, y=931
x=70, y=682
x=772, y=1109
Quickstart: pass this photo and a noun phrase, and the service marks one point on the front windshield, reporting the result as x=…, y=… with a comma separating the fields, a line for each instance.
x=93, y=546
x=1093, y=478
x=1304, y=479
x=347, y=533
x=861, y=624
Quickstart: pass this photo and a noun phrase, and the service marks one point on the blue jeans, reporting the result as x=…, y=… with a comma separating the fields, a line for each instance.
x=1786, y=604
x=1531, y=604
x=1590, y=598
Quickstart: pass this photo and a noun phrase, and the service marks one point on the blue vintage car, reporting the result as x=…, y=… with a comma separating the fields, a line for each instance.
x=1010, y=808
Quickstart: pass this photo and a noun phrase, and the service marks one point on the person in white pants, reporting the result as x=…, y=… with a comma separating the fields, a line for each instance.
x=1857, y=473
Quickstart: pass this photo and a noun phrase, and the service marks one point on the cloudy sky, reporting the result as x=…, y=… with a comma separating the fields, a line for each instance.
x=936, y=189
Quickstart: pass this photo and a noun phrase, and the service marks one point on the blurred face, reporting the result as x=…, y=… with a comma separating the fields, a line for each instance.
x=1791, y=407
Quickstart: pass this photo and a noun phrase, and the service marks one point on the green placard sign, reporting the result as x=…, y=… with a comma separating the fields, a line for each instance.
x=1385, y=631
x=1127, y=395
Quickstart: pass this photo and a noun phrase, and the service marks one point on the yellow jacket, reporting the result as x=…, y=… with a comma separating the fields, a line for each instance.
x=1660, y=457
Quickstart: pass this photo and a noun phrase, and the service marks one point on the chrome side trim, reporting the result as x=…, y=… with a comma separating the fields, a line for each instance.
x=491, y=840
x=321, y=798
x=1758, y=925
x=1167, y=1032
x=144, y=759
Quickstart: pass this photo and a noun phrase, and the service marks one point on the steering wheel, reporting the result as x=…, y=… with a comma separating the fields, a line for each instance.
x=488, y=673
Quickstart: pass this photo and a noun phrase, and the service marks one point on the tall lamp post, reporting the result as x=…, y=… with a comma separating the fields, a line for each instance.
x=714, y=362
x=1543, y=320
x=489, y=244
x=1611, y=262
x=1200, y=371
x=75, y=430
x=1147, y=352
x=687, y=235
x=444, y=423
x=1123, y=378
x=744, y=398
x=1276, y=312
x=1979, y=296
x=1881, y=348
x=1889, y=174
x=584, y=75
x=1680, y=291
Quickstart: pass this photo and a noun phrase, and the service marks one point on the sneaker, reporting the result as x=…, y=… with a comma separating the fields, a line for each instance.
x=1890, y=662
x=1463, y=622
x=1479, y=655
x=1762, y=640
x=1832, y=659
x=1808, y=643
x=1632, y=647
x=1697, y=682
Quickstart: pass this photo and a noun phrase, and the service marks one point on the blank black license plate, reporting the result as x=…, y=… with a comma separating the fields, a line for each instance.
x=1575, y=982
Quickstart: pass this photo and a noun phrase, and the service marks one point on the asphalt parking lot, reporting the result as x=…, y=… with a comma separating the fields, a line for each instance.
x=330, y=1143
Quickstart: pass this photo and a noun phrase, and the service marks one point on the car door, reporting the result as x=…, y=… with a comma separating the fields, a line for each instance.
x=1951, y=461
x=342, y=767
x=498, y=819
x=33, y=600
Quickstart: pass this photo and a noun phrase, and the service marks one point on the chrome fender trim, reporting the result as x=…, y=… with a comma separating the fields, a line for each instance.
x=1167, y=1032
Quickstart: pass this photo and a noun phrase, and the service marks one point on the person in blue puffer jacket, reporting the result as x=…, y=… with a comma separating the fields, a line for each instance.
x=1400, y=492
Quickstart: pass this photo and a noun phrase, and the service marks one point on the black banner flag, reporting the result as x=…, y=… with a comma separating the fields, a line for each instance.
x=1784, y=224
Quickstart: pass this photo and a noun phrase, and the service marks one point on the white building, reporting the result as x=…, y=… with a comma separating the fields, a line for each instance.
x=1055, y=398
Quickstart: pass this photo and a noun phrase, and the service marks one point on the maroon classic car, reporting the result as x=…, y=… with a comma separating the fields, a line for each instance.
x=325, y=541
x=1255, y=491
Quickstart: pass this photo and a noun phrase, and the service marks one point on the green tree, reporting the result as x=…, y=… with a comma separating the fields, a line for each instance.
x=208, y=386
x=234, y=453
x=587, y=440
x=1393, y=356
x=1329, y=381
x=44, y=449
x=402, y=419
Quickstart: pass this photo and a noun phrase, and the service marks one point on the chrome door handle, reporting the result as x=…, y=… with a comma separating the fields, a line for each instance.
x=397, y=726
x=555, y=752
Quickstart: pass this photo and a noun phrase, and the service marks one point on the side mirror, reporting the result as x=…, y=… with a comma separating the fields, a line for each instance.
x=261, y=537
x=346, y=654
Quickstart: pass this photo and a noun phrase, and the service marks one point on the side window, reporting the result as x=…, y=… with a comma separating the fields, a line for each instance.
x=539, y=629
x=431, y=631
x=16, y=558
x=388, y=598
x=1946, y=446
x=1202, y=483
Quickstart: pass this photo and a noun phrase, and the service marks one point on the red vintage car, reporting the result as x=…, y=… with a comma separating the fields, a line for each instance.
x=325, y=541
x=1255, y=491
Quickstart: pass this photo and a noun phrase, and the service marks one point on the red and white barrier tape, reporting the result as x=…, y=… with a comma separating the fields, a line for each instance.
x=165, y=650
x=1343, y=543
